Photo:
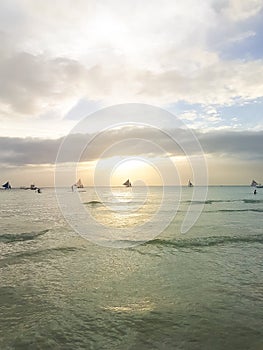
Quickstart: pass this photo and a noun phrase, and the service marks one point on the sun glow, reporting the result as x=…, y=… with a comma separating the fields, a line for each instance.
x=137, y=171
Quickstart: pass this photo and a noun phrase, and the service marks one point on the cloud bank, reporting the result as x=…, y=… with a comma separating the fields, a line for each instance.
x=132, y=142
x=120, y=51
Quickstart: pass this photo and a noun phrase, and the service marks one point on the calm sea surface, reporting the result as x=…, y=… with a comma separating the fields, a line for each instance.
x=198, y=290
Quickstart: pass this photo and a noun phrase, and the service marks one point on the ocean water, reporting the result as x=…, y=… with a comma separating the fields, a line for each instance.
x=196, y=290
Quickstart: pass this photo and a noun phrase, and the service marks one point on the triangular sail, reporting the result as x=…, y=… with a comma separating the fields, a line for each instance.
x=7, y=186
x=190, y=184
x=254, y=183
x=79, y=184
x=127, y=183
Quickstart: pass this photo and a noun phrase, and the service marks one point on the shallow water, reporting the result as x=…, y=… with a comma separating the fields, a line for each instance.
x=198, y=290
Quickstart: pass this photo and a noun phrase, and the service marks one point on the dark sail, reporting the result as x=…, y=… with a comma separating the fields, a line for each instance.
x=127, y=183
x=190, y=184
x=7, y=186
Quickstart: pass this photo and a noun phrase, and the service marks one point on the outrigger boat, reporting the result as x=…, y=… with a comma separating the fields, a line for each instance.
x=127, y=183
x=190, y=184
x=7, y=186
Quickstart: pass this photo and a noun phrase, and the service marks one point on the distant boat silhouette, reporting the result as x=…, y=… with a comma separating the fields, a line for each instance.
x=190, y=184
x=7, y=186
x=77, y=185
x=256, y=184
x=127, y=183
x=31, y=187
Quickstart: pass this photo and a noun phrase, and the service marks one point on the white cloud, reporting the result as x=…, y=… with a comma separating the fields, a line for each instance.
x=239, y=10
x=189, y=115
x=52, y=55
x=34, y=84
x=242, y=36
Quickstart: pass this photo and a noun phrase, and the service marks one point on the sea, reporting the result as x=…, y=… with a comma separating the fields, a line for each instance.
x=149, y=285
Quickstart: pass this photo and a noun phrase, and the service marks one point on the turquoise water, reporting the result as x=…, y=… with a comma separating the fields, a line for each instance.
x=198, y=290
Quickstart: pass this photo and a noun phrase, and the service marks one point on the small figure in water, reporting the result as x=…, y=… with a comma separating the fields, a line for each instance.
x=255, y=192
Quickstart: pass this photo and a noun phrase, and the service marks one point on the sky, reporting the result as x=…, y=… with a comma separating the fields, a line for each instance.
x=201, y=61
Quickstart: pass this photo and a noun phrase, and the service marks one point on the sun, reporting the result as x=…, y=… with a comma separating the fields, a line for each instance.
x=136, y=170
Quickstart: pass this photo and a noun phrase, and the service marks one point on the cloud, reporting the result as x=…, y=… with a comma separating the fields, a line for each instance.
x=219, y=83
x=30, y=82
x=130, y=141
x=54, y=55
x=82, y=108
x=240, y=10
x=245, y=145
x=24, y=151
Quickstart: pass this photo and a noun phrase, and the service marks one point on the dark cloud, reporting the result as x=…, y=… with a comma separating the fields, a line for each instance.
x=22, y=151
x=247, y=144
x=130, y=141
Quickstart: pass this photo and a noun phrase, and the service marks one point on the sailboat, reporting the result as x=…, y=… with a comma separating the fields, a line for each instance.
x=7, y=186
x=190, y=184
x=127, y=183
x=77, y=185
x=256, y=184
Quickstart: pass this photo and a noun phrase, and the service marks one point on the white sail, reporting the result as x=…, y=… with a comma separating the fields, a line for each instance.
x=79, y=184
x=190, y=184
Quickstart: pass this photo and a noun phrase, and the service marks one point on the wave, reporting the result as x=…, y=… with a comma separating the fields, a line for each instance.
x=242, y=210
x=113, y=204
x=206, y=241
x=234, y=210
x=252, y=201
x=21, y=257
x=39, y=252
x=191, y=243
x=211, y=201
x=20, y=237
x=199, y=202
x=93, y=203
